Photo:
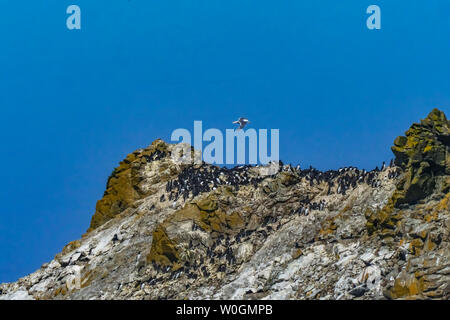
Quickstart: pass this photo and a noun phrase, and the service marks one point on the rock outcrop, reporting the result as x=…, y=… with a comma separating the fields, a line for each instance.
x=168, y=231
x=424, y=155
x=127, y=183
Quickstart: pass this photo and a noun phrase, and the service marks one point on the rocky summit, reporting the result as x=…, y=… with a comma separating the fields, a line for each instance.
x=165, y=230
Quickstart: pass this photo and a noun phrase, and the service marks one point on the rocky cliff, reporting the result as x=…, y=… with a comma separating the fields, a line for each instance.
x=168, y=231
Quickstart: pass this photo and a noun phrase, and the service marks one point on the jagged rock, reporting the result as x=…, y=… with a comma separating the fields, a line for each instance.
x=358, y=291
x=123, y=185
x=424, y=154
x=195, y=231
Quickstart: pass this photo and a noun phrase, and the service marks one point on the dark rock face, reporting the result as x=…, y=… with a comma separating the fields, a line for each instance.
x=424, y=156
x=123, y=186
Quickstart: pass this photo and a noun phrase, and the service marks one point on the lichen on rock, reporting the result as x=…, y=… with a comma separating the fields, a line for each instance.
x=122, y=188
x=163, y=250
x=424, y=155
x=204, y=214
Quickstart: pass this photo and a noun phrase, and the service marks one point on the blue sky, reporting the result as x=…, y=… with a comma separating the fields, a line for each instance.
x=74, y=103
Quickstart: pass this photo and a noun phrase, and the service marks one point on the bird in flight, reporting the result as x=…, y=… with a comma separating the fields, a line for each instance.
x=242, y=123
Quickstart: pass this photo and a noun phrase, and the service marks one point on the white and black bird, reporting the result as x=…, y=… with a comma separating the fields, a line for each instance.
x=242, y=122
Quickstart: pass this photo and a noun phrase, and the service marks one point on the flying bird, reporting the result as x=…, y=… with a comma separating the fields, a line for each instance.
x=242, y=123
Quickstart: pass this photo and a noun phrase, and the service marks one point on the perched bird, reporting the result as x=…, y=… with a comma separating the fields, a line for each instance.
x=242, y=123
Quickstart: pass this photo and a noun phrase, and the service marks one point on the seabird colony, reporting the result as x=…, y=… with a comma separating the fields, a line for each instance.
x=194, y=180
